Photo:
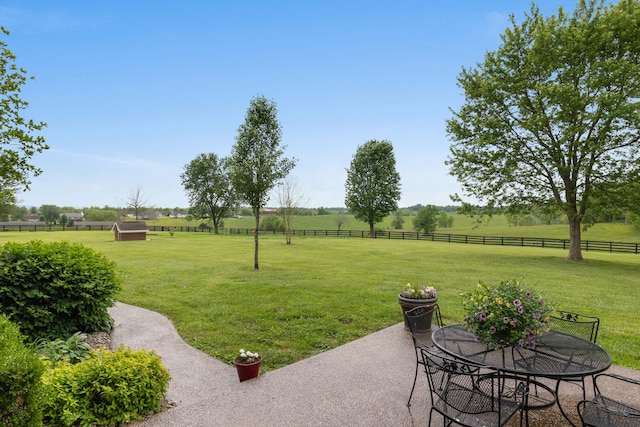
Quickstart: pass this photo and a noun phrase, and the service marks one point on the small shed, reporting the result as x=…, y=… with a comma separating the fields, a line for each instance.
x=130, y=230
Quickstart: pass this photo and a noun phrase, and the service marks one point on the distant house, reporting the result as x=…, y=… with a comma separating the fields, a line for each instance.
x=150, y=215
x=177, y=214
x=74, y=216
x=130, y=230
x=32, y=217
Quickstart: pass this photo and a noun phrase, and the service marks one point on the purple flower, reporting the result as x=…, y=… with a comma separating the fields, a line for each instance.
x=493, y=330
x=517, y=302
x=528, y=294
x=520, y=309
x=505, y=320
x=482, y=315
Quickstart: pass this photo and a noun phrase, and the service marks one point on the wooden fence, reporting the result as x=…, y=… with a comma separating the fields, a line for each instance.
x=538, y=242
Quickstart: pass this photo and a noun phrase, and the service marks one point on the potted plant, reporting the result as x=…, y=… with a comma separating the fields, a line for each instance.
x=418, y=296
x=247, y=365
x=506, y=314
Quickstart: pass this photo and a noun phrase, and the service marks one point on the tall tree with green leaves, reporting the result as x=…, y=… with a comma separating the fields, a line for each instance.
x=208, y=186
x=257, y=160
x=373, y=184
x=18, y=142
x=50, y=213
x=426, y=219
x=551, y=117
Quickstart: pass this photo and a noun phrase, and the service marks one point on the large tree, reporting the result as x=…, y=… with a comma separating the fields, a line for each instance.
x=208, y=186
x=18, y=143
x=551, y=117
x=257, y=159
x=50, y=213
x=373, y=184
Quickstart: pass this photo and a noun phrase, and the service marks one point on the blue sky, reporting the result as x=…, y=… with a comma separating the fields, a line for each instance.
x=132, y=91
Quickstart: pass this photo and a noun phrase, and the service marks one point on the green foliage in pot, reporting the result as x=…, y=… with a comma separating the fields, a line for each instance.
x=418, y=292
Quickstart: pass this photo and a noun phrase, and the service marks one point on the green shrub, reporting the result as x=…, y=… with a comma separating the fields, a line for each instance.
x=73, y=350
x=20, y=372
x=55, y=289
x=107, y=388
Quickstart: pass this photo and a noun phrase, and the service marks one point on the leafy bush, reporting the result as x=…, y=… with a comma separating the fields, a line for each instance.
x=20, y=372
x=74, y=350
x=271, y=222
x=55, y=289
x=107, y=388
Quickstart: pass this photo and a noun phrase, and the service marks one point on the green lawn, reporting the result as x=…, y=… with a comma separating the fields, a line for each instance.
x=319, y=293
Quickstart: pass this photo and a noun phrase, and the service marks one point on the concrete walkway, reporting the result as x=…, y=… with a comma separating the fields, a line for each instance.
x=362, y=383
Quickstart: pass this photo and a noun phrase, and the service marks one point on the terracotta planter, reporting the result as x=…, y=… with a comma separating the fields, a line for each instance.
x=407, y=304
x=246, y=371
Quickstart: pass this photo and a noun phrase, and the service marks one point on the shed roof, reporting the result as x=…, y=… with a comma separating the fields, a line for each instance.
x=130, y=226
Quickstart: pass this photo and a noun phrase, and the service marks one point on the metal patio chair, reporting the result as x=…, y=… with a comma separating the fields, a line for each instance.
x=580, y=325
x=467, y=394
x=420, y=339
x=605, y=411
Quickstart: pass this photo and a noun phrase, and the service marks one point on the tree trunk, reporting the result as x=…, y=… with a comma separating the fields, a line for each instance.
x=575, y=250
x=215, y=225
x=372, y=232
x=255, y=238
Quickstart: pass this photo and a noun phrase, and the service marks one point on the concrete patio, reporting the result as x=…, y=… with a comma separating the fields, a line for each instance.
x=362, y=383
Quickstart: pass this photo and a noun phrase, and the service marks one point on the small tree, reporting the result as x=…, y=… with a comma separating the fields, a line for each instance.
x=208, y=186
x=398, y=220
x=136, y=201
x=257, y=160
x=445, y=220
x=290, y=199
x=373, y=184
x=340, y=219
x=426, y=219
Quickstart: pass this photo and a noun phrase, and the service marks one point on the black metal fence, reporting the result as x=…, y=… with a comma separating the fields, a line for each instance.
x=538, y=242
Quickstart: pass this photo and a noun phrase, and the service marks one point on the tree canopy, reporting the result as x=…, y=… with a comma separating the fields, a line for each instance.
x=208, y=186
x=373, y=184
x=257, y=160
x=18, y=142
x=550, y=119
x=426, y=219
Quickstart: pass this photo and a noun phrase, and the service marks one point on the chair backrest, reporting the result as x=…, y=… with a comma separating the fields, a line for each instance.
x=458, y=387
x=580, y=325
x=415, y=317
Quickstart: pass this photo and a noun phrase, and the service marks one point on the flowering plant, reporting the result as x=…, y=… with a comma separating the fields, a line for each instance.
x=247, y=357
x=507, y=314
x=421, y=292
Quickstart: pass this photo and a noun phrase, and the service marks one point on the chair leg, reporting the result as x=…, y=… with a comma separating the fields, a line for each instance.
x=415, y=377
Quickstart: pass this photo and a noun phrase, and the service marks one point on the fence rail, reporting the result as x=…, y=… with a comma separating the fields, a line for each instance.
x=538, y=242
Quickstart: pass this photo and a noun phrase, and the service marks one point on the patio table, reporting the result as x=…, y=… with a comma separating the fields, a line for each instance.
x=557, y=355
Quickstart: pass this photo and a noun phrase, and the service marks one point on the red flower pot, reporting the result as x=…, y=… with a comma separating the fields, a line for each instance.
x=246, y=371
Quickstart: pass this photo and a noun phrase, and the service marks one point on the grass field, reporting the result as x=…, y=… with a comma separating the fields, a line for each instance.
x=319, y=293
